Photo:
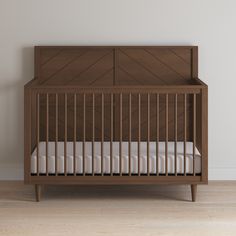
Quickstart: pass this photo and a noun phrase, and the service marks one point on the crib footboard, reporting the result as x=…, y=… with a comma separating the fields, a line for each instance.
x=116, y=135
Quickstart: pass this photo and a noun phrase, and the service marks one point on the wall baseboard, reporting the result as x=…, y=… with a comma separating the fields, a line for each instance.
x=17, y=173
x=9, y=172
x=222, y=174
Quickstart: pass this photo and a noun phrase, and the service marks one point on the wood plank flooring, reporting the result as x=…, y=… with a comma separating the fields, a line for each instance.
x=118, y=210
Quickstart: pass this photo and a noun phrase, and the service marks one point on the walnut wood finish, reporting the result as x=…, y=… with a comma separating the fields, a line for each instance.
x=194, y=192
x=116, y=94
x=99, y=66
x=38, y=190
x=105, y=66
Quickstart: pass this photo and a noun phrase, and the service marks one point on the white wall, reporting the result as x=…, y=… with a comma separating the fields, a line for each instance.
x=210, y=24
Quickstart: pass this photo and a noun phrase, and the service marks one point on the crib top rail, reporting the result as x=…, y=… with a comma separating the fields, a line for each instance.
x=174, y=89
x=160, y=89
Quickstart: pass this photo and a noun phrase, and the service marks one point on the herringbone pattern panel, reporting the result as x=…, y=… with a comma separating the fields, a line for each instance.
x=77, y=67
x=119, y=65
x=153, y=66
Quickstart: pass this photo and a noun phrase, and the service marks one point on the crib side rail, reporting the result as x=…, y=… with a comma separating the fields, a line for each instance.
x=153, y=110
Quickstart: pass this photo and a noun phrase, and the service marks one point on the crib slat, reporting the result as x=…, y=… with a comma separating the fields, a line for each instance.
x=176, y=131
x=139, y=130
x=120, y=147
x=194, y=131
x=37, y=132
x=130, y=104
x=157, y=134
x=166, y=143
x=65, y=139
x=74, y=144
x=148, y=132
x=56, y=133
x=84, y=130
x=93, y=132
x=111, y=140
x=102, y=138
x=47, y=124
x=185, y=131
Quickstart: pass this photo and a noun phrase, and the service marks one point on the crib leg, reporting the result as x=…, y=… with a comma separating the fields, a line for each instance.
x=194, y=192
x=38, y=189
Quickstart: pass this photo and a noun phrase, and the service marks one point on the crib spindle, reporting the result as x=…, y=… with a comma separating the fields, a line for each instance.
x=148, y=133
x=120, y=135
x=121, y=132
x=176, y=130
x=139, y=131
x=185, y=131
x=47, y=125
x=84, y=130
x=74, y=143
x=37, y=131
x=56, y=131
x=157, y=134
x=130, y=130
x=166, y=143
x=93, y=131
x=102, y=134
x=194, y=131
x=65, y=138
x=111, y=139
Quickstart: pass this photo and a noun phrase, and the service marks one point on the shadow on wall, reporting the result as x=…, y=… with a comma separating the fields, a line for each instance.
x=12, y=117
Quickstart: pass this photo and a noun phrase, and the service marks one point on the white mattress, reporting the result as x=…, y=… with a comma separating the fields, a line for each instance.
x=116, y=157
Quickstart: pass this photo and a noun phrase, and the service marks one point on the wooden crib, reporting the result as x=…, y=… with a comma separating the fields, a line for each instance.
x=116, y=115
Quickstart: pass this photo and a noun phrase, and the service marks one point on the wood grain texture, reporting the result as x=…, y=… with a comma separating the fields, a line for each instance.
x=137, y=74
x=104, y=66
x=115, y=65
x=153, y=66
x=118, y=210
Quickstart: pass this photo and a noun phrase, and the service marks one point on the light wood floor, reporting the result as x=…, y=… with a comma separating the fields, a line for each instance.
x=120, y=210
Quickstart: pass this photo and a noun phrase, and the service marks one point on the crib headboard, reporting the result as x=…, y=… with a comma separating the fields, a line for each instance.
x=108, y=66
x=119, y=65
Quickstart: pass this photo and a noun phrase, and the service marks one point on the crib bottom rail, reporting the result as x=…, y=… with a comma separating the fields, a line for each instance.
x=116, y=180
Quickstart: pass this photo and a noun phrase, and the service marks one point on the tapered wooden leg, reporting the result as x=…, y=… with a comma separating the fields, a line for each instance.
x=38, y=189
x=194, y=192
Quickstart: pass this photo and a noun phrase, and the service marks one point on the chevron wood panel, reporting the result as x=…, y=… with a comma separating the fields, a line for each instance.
x=115, y=65
x=76, y=66
x=153, y=66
